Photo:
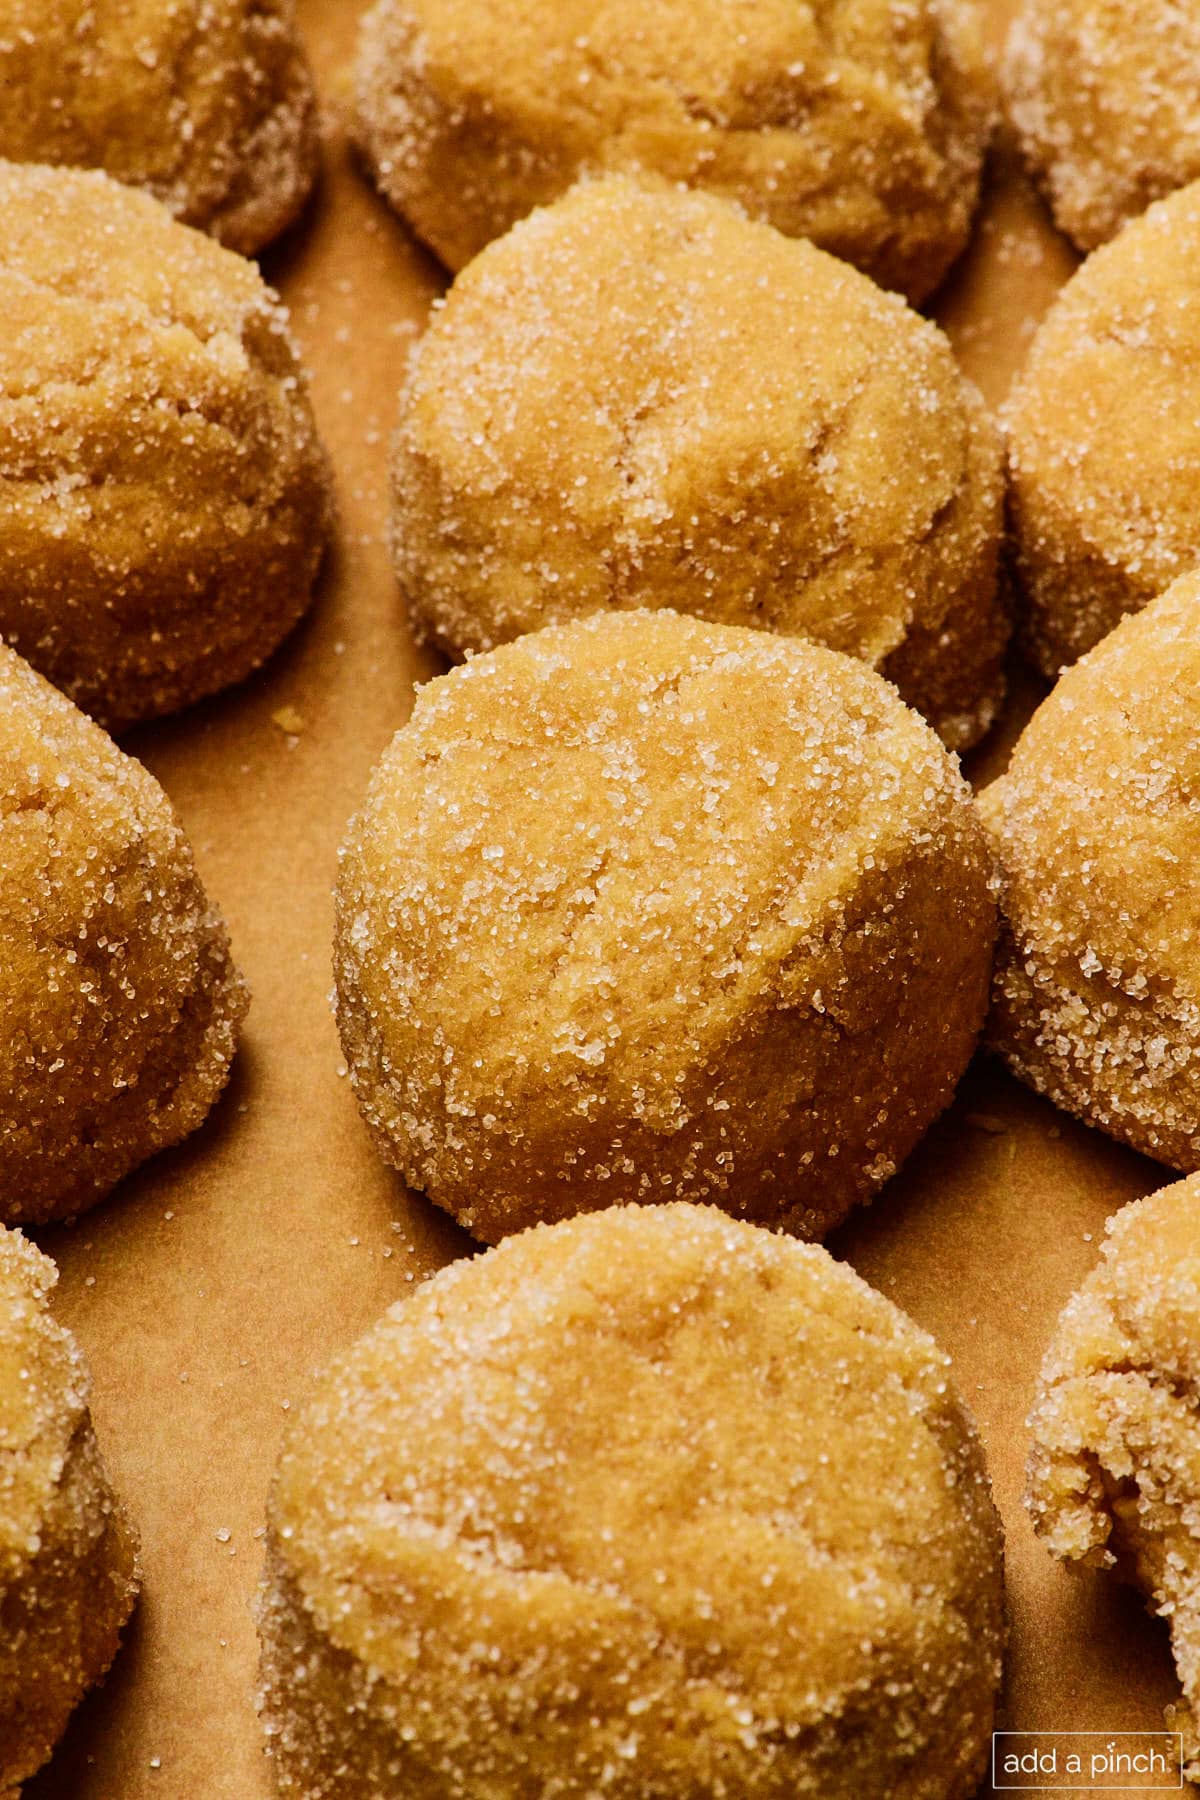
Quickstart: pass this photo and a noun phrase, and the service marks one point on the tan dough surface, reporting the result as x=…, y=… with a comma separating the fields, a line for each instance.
x=642, y=908
x=1097, y=984
x=67, y=1554
x=650, y=1504
x=1104, y=435
x=641, y=399
x=856, y=123
x=119, y=997
x=207, y=104
x=1114, y=1473
x=1105, y=95
x=164, y=498
x=222, y=1271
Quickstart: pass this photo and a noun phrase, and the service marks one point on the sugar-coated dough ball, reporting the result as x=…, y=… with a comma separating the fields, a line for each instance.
x=650, y=1504
x=207, y=104
x=856, y=123
x=68, y=1575
x=120, y=1001
x=1104, y=436
x=643, y=908
x=164, y=499
x=1105, y=96
x=1114, y=1474
x=640, y=398
x=1097, y=831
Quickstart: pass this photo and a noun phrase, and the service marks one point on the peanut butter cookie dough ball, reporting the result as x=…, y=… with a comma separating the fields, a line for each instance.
x=1097, y=988
x=1104, y=436
x=857, y=124
x=1114, y=1475
x=649, y=1504
x=1105, y=96
x=642, y=908
x=640, y=398
x=120, y=1001
x=164, y=499
x=207, y=104
x=68, y=1575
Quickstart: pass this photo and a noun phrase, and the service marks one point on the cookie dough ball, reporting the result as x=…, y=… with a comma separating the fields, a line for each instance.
x=1104, y=436
x=1105, y=97
x=859, y=125
x=120, y=999
x=1097, y=831
x=164, y=499
x=649, y=1504
x=207, y=104
x=68, y=1575
x=640, y=399
x=1114, y=1476
x=642, y=908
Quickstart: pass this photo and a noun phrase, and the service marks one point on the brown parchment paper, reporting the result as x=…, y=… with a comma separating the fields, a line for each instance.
x=216, y=1278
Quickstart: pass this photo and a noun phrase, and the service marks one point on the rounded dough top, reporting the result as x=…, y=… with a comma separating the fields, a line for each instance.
x=44, y=1393
x=1104, y=432
x=1098, y=815
x=595, y=862
x=163, y=493
x=639, y=397
x=1114, y=1469
x=148, y=331
x=207, y=104
x=1105, y=95
x=858, y=123
x=690, y=1492
x=120, y=998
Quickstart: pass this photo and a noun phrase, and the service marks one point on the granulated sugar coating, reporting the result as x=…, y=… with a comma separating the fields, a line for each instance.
x=1104, y=436
x=164, y=499
x=860, y=124
x=1096, y=824
x=207, y=104
x=1114, y=1476
x=120, y=1002
x=642, y=908
x=642, y=399
x=647, y=1505
x=68, y=1575
x=1105, y=96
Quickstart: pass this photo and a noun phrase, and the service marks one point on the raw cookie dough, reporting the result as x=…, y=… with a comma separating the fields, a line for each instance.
x=68, y=1575
x=1097, y=831
x=1105, y=96
x=855, y=123
x=1104, y=436
x=642, y=399
x=164, y=499
x=1114, y=1476
x=119, y=999
x=649, y=1504
x=643, y=908
x=207, y=104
